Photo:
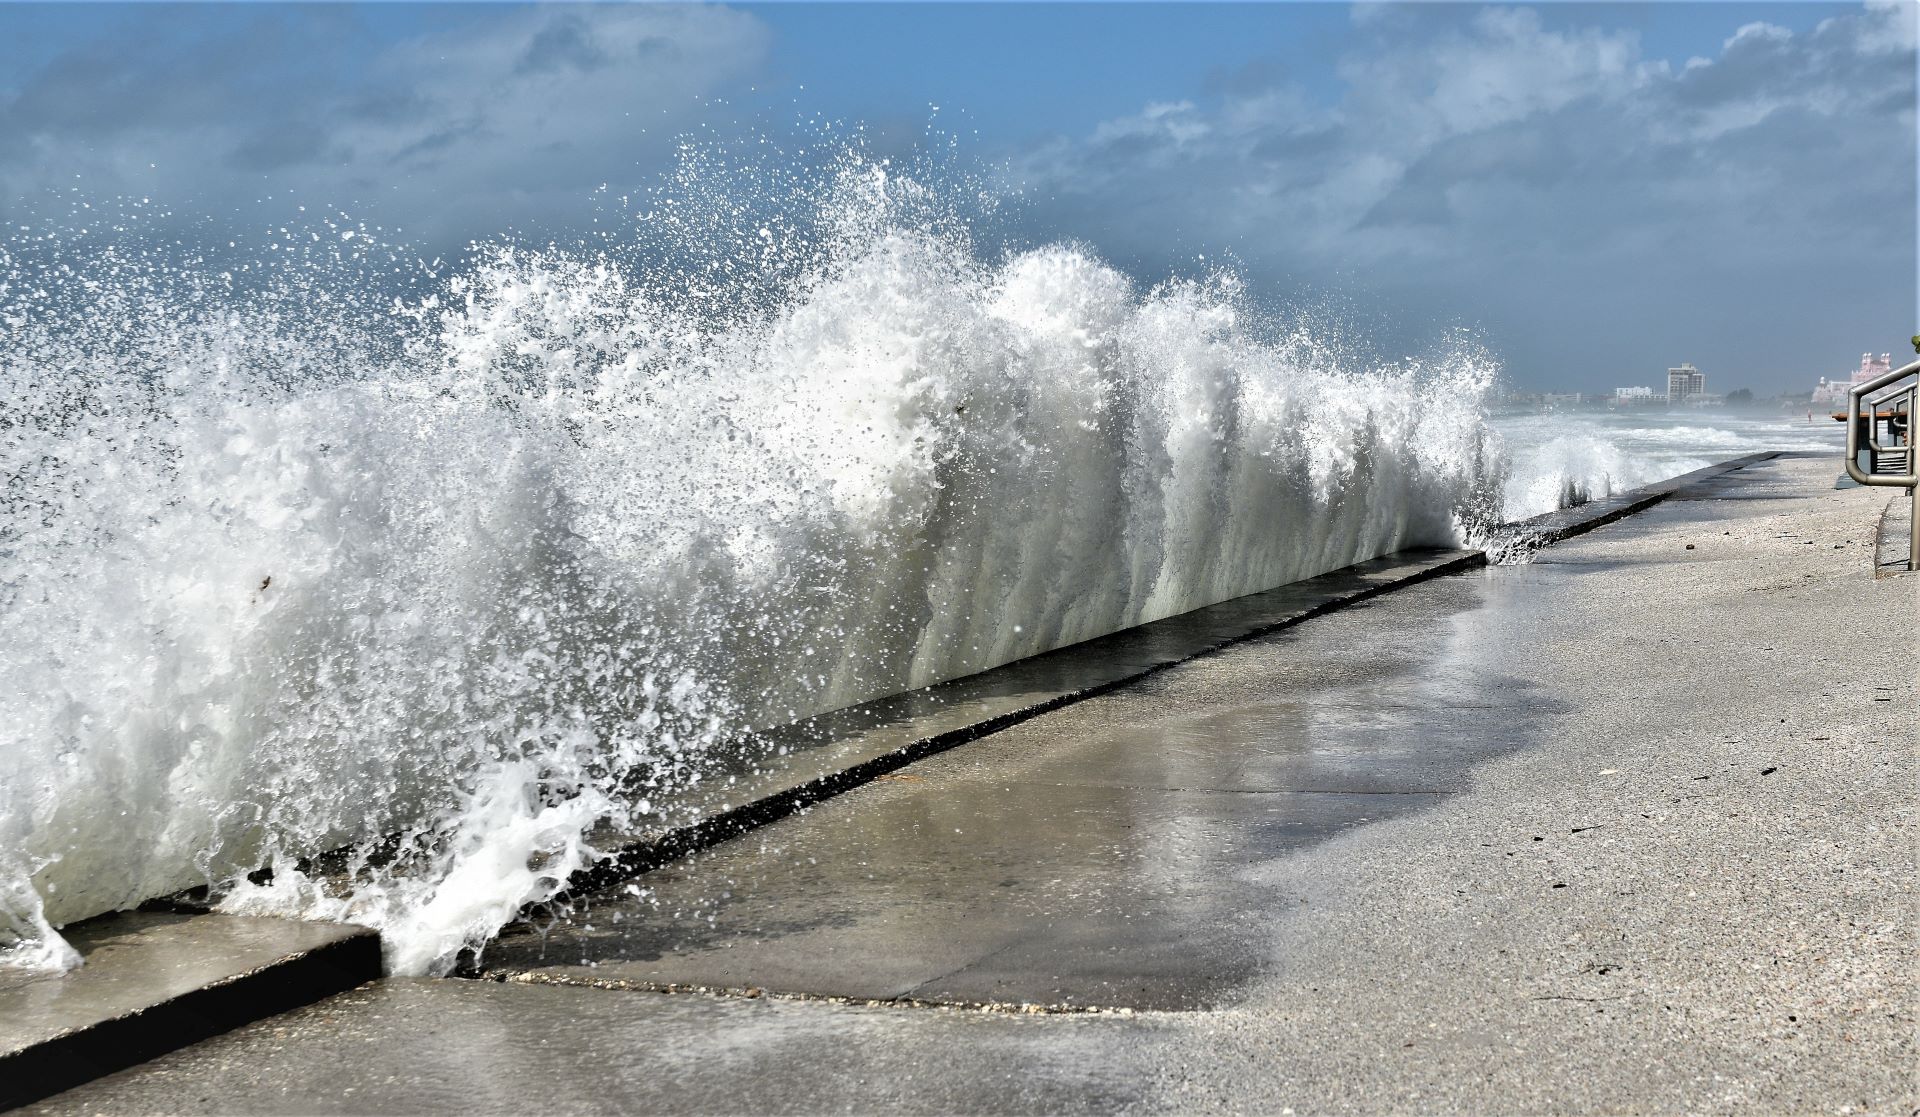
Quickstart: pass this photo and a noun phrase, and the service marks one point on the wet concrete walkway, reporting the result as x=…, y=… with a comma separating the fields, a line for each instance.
x=1610, y=831
x=154, y=982
x=1089, y=858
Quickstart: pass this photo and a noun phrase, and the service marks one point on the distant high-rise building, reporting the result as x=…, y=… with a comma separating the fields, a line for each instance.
x=1685, y=383
x=1633, y=393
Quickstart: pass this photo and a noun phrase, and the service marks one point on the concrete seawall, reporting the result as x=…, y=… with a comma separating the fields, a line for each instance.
x=1611, y=830
x=828, y=755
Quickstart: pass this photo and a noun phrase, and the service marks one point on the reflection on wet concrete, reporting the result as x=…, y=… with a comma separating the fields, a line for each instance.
x=782, y=759
x=1095, y=855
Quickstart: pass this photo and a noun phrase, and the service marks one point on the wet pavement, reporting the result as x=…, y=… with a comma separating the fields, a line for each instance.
x=776, y=772
x=424, y=1045
x=1097, y=866
x=1616, y=831
x=153, y=982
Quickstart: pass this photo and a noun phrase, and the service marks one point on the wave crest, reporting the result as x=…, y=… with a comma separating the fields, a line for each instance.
x=446, y=583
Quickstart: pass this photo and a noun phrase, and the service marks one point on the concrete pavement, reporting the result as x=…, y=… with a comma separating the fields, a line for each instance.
x=1659, y=857
x=1093, y=857
x=157, y=981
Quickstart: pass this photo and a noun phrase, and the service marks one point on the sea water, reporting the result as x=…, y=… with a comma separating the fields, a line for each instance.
x=1567, y=457
x=311, y=547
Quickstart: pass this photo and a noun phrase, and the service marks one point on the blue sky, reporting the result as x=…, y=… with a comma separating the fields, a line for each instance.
x=1598, y=190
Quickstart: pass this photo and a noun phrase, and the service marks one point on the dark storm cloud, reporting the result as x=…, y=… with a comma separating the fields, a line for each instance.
x=565, y=42
x=282, y=144
x=496, y=118
x=174, y=68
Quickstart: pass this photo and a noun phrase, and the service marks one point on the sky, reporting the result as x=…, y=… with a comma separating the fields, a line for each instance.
x=1595, y=191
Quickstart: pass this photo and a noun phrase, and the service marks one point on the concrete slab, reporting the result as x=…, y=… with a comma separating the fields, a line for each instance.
x=1093, y=857
x=793, y=767
x=1553, y=527
x=1694, y=889
x=456, y=1047
x=948, y=886
x=152, y=983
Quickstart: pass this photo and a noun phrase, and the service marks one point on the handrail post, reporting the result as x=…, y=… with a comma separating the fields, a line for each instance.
x=1913, y=492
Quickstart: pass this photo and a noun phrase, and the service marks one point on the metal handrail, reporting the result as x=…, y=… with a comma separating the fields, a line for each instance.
x=1910, y=480
x=1873, y=403
x=1891, y=392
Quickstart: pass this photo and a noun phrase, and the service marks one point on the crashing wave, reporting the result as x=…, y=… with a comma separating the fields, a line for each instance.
x=446, y=582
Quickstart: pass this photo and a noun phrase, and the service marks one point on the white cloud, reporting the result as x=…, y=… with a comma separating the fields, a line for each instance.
x=1494, y=162
x=1176, y=121
x=1755, y=32
x=1503, y=66
x=1429, y=116
x=1894, y=26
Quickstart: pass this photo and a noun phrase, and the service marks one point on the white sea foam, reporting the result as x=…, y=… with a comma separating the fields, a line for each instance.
x=285, y=570
x=1566, y=458
x=1568, y=462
